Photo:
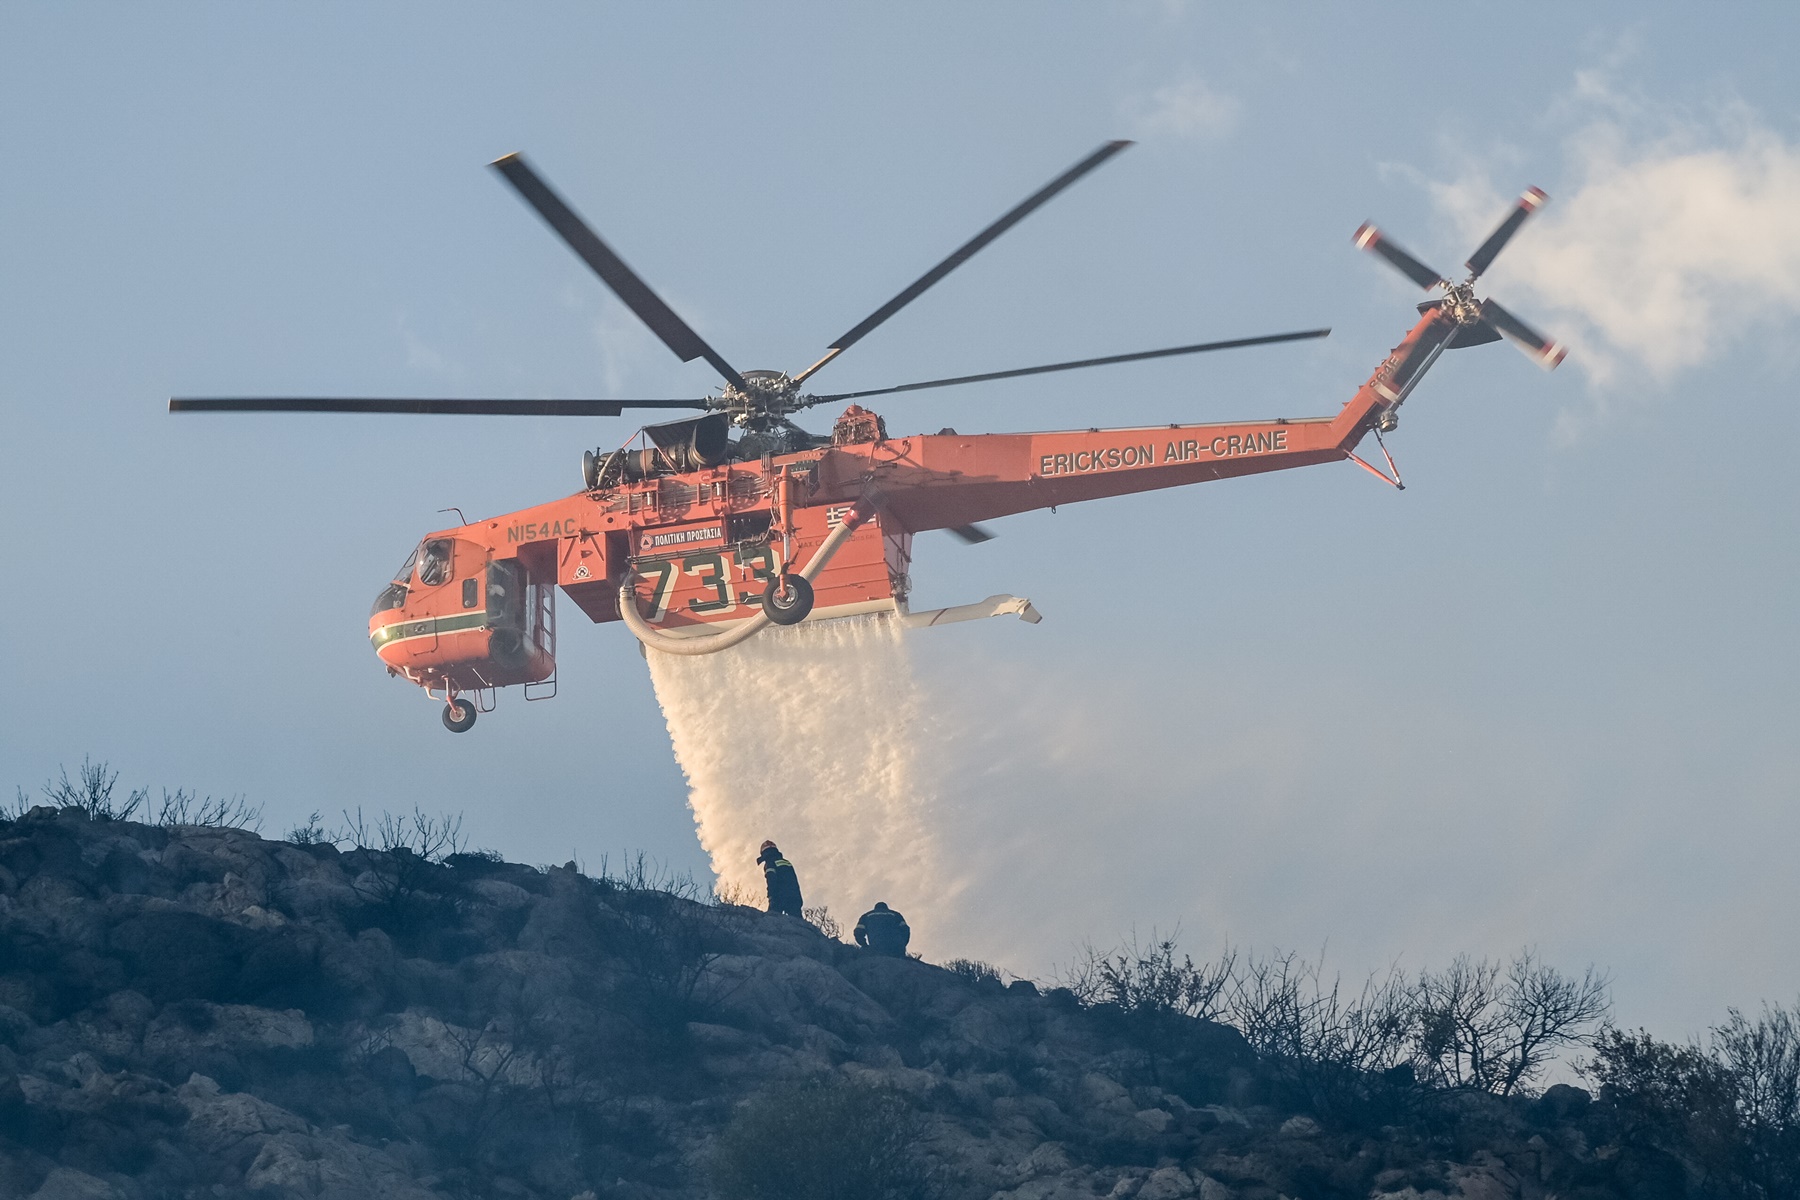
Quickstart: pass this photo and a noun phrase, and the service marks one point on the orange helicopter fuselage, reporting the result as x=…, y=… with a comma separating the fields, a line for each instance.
x=473, y=608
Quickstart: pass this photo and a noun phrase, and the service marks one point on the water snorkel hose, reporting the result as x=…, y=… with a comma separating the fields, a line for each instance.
x=712, y=643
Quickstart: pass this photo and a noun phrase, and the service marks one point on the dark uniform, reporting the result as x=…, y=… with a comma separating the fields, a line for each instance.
x=884, y=931
x=784, y=885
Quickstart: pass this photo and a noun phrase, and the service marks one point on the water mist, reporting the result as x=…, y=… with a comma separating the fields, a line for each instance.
x=813, y=737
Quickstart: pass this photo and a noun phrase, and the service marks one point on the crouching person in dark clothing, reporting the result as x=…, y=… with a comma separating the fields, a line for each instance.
x=884, y=931
x=784, y=885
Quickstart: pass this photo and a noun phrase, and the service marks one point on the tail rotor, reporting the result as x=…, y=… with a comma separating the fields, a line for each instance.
x=1477, y=320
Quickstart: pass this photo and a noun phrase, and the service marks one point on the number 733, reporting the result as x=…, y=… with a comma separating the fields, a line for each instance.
x=715, y=569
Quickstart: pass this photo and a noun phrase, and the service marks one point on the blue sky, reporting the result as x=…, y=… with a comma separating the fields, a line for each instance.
x=1544, y=696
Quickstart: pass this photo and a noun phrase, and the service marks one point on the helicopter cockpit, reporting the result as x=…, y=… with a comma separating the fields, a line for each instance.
x=394, y=594
x=456, y=618
x=432, y=558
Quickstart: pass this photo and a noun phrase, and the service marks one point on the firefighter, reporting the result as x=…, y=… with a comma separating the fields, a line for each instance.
x=784, y=885
x=884, y=931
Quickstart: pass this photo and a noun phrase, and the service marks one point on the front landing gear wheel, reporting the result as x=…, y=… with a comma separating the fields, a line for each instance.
x=788, y=600
x=459, y=716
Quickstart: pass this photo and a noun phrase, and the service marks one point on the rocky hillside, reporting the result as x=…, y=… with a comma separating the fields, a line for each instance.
x=190, y=1011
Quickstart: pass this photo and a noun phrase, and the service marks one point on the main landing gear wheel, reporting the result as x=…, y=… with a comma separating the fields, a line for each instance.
x=788, y=600
x=459, y=716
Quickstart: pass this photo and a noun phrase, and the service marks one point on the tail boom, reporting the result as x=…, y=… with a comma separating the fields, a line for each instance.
x=947, y=480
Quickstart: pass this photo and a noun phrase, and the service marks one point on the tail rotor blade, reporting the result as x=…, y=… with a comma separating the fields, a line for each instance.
x=1529, y=202
x=676, y=334
x=1546, y=353
x=1369, y=238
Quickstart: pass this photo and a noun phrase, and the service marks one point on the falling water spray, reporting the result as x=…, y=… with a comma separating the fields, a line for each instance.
x=814, y=737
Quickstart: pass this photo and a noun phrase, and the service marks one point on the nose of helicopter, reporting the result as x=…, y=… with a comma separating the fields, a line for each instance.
x=391, y=597
x=388, y=615
x=388, y=622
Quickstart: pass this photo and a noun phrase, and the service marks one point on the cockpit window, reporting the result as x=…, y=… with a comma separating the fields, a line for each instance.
x=394, y=594
x=434, y=562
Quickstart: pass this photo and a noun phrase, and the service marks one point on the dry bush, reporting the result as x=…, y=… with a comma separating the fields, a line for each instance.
x=310, y=834
x=639, y=873
x=973, y=970
x=729, y=895
x=1477, y=1025
x=1663, y=1094
x=820, y=918
x=405, y=885
x=664, y=938
x=418, y=834
x=1148, y=978
x=1731, y=1110
x=91, y=792
x=822, y=1139
x=1763, y=1059
x=1285, y=1008
x=1332, y=1051
x=184, y=808
x=1495, y=1028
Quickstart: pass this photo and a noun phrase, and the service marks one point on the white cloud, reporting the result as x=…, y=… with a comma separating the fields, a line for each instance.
x=1189, y=109
x=1671, y=241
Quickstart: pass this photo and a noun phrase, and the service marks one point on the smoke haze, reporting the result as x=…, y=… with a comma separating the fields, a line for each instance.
x=1014, y=808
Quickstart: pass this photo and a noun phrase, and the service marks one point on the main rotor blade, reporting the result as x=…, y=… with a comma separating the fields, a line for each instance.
x=1529, y=202
x=467, y=408
x=972, y=534
x=1373, y=240
x=964, y=252
x=1546, y=353
x=1070, y=366
x=675, y=333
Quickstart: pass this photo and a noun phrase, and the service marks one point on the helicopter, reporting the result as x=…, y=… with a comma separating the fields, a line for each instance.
x=702, y=531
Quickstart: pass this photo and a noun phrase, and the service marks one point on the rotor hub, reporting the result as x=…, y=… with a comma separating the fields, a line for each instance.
x=766, y=394
x=1461, y=304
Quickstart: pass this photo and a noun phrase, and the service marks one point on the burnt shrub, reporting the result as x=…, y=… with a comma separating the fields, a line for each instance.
x=974, y=971
x=403, y=885
x=182, y=955
x=1730, y=1111
x=822, y=1139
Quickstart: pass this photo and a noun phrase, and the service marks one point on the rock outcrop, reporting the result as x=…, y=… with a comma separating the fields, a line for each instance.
x=202, y=1012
